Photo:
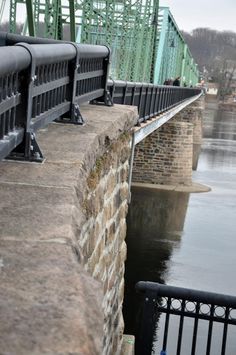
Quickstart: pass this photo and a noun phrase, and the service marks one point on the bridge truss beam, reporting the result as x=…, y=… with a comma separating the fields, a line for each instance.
x=145, y=41
x=173, y=55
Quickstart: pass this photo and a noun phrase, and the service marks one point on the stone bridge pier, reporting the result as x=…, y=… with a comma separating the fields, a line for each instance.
x=63, y=228
x=168, y=155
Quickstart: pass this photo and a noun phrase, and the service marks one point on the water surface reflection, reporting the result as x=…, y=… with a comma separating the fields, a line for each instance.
x=184, y=240
x=155, y=224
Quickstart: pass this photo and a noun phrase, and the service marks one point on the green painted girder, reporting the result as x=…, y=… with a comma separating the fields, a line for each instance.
x=173, y=56
x=128, y=27
x=29, y=13
x=145, y=41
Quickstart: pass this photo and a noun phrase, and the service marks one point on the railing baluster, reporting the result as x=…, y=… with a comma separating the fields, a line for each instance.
x=167, y=319
x=225, y=331
x=181, y=324
x=195, y=329
x=209, y=337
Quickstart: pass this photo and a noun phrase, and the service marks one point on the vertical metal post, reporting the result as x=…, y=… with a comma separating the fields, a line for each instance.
x=31, y=150
x=183, y=63
x=12, y=22
x=72, y=20
x=144, y=343
x=131, y=163
x=195, y=329
x=161, y=49
x=30, y=17
x=225, y=330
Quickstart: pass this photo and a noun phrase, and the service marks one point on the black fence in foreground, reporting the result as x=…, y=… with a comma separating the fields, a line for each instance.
x=45, y=80
x=210, y=318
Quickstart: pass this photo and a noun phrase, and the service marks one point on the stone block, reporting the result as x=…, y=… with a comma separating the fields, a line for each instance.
x=42, y=304
x=30, y=212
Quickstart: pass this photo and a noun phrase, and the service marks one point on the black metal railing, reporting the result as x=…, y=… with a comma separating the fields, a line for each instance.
x=174, y=302
x=43, y=82
x=10, y=39
x=13, y=64
x=150, y=99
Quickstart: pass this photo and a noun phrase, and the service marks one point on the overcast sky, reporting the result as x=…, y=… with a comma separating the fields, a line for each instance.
x=189, y=14
x=216, y=14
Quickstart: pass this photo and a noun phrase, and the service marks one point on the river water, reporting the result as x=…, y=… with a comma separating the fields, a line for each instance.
x=184, y=239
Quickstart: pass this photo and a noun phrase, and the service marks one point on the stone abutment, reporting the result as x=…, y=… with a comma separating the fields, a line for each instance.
x=63, y=228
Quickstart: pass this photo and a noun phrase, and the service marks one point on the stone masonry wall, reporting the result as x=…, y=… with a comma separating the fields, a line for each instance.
x=165, y=156
x=194, y=114
x=168, y=155
x=62, y=231
x=102, y=241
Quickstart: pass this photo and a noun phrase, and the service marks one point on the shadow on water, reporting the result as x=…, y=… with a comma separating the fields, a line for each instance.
x=155, y=224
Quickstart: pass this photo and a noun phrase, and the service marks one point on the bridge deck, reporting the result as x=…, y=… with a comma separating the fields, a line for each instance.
x=153, y=124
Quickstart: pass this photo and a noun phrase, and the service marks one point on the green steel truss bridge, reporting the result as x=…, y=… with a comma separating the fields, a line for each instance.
x=145, y=41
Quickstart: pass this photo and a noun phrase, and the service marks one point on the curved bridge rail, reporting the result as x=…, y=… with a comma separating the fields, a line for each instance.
x=45, y=80
x=212, y=317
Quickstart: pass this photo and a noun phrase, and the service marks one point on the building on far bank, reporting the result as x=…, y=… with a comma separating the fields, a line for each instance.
x=212, y=89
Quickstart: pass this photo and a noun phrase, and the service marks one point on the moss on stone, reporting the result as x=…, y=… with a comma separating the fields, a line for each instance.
x=103, y=163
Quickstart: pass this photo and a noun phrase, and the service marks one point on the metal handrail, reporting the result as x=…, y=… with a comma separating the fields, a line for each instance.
x=54, y=80
x=185, y=303
x=43, y=82
x=14, y=61
x=150, y=99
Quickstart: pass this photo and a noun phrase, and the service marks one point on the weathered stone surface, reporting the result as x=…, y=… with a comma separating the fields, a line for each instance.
x=70, y=148
x=128, y=345
x=31, y=212
x=48, y=304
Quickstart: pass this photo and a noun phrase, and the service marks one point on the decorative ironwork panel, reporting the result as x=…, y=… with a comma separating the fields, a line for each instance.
x=178, y=306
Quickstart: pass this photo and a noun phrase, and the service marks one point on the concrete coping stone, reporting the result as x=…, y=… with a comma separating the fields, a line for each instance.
x=193, y=188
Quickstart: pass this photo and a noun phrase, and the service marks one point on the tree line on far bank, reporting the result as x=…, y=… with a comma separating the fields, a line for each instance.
x=215, y=53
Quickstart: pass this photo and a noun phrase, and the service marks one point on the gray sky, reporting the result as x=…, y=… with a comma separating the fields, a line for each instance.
x=190, y=14
x=216, y=14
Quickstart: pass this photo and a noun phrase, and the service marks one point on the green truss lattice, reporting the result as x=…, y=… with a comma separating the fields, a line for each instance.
x=145, y=41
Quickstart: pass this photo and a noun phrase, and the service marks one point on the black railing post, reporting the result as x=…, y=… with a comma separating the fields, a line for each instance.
x=148, y=322
x=29, y=149
x=107, y=97
x=74, y=116
x=182, y=303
